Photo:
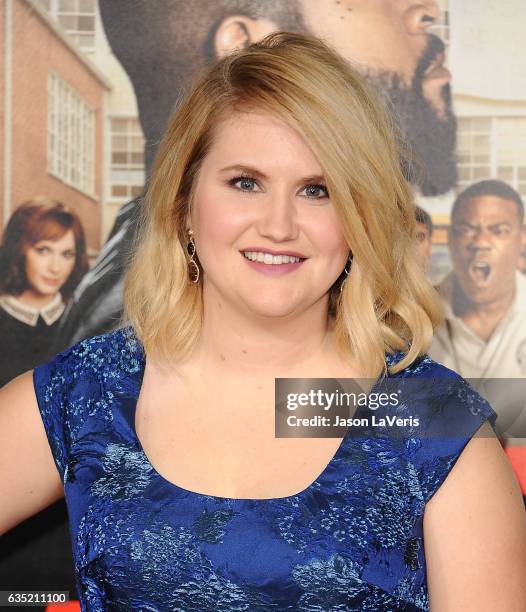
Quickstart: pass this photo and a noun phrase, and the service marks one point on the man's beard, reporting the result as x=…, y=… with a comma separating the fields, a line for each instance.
x=429, y=141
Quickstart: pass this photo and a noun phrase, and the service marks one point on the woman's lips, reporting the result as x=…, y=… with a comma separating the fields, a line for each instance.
x=273, y=269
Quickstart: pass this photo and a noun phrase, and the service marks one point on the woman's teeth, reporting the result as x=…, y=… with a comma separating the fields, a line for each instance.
x=267, y=258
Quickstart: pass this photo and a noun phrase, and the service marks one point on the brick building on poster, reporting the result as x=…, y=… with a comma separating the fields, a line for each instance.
x=52, y=113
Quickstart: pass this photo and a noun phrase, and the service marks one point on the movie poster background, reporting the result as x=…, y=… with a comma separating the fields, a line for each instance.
x=80, y=128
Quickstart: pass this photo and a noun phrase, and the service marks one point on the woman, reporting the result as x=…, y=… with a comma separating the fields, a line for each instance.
x=277, y=242
x=42, y=259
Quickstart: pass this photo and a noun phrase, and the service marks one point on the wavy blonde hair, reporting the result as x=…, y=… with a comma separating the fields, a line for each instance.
x=387, y=302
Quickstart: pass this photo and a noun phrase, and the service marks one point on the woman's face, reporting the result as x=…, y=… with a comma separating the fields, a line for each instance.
x=49, y=263
x=275, y=208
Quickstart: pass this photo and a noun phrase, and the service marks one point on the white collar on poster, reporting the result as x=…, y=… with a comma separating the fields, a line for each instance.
x=26, y=314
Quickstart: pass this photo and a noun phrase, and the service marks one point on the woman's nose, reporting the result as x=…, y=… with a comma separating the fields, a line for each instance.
x=420, y=15
x=278, y=220
x=54, y=263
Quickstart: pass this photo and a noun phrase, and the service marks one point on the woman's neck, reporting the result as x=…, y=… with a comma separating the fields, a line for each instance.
x=244, y=343
x=36, y=300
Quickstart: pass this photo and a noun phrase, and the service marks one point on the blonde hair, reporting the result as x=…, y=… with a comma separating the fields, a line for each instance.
x=387, y=303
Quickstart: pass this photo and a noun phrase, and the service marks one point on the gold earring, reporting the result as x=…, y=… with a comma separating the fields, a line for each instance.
x=193, y=268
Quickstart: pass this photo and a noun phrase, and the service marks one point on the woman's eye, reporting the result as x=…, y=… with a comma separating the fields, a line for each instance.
x=68, y=254
x=312, y=190
x=244, y=180
x=42, y=250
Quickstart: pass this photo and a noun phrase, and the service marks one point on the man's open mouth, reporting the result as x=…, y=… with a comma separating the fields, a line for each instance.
x=480, y=271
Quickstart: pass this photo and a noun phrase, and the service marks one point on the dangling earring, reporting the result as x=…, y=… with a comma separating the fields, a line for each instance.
x=193, y=268
x=347, y=269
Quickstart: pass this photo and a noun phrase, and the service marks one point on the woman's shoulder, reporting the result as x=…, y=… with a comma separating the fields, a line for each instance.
x=423, y=366
x=445, y=400
x=77, y=390
x=112, y=360
x=8, y=312
x=119, y=348
x=443, y=412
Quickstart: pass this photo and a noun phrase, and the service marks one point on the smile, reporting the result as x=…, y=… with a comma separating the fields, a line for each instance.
x=269, y=259
x=272, y=264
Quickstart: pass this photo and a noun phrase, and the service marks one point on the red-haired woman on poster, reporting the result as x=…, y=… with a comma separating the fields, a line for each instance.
x=42, y=259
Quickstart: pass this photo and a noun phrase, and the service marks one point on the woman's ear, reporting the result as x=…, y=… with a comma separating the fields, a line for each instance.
x=240, y=31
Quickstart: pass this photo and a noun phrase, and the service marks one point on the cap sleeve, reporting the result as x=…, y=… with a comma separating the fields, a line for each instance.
x=76, y=389
x=51, y=382
x=455, y=413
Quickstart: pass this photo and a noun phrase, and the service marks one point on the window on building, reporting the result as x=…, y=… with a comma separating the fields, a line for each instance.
x=77, y=18
x=127, y=158
x=473, y=149
x=71, y=136
x=492, y=147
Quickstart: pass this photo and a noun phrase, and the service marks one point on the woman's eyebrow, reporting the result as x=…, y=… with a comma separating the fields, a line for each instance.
x=257, y=173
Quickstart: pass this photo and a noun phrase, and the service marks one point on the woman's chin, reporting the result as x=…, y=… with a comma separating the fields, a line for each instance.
x=273, y=310
x=48, y=291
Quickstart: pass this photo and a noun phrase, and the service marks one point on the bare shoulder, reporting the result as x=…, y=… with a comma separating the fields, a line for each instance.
x=20, y=387
x=29, y=480
x=18, y=403
x=475, y=533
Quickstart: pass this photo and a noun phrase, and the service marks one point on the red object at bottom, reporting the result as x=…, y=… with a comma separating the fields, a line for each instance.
x=70, y=606
x=517, y=457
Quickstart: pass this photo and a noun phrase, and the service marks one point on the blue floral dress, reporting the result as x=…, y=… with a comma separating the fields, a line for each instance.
x=352, y=540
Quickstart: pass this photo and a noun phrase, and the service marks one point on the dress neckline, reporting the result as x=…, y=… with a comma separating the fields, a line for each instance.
x=138, y=376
